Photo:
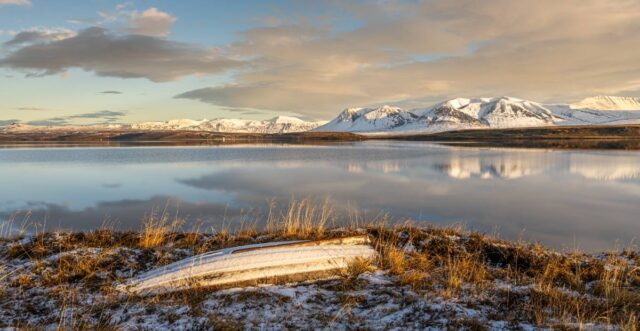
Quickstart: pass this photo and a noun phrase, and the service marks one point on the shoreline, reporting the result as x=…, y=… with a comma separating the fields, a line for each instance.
x=619, y=137
x=422, y=276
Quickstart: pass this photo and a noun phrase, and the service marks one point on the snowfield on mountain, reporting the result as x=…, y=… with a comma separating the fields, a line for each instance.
x=484, y=113
x=608, y=103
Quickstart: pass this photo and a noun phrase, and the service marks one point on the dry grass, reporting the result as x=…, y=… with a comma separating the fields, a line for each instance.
x=464, y=269
x=302, y=219
x=12, y=227
x=157, y=229
x=521, y=282
x=359, y=266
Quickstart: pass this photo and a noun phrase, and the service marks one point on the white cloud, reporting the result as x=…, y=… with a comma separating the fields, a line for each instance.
x=15, y=2
x=38, y=35
x=151, y=22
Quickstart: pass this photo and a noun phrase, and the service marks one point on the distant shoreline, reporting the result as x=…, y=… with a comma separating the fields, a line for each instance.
x=626, y=137
x=170, y=137
x=562, y=137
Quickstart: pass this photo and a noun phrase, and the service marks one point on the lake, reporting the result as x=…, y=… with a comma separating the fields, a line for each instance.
x=561, y=198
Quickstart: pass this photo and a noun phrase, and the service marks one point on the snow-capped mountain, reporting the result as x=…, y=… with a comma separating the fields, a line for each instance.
x=454, y=114
x=370, y=119
x=280, y=124
x=24, y=127
x=487, y=112
x=178, y=124
x=482, y=113
x=608, y=103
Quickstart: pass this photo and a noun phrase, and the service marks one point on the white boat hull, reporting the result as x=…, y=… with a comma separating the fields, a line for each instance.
x=252, y=263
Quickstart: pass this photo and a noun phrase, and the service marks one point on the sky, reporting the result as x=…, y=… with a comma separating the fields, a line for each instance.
x=102, y=61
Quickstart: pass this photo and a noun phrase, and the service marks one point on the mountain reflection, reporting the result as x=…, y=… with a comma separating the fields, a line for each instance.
x=603, y=167
x=518, y=165
x=504, y=166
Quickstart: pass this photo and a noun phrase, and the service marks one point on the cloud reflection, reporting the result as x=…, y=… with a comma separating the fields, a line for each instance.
x=125, y=214
x=553, y=196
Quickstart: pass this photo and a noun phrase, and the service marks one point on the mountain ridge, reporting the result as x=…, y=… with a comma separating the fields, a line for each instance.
x=480, y=113
x=605, y=102
x=275, y=125
x=278, y=124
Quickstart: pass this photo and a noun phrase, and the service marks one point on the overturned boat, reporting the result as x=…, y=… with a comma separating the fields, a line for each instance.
x=250, y=263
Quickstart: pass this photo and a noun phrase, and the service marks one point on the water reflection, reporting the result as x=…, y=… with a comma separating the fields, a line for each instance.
x=561, y=198
x=605, y=168
x=503, y=166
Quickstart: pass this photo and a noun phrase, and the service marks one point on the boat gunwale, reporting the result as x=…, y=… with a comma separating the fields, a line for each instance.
x=301, y=243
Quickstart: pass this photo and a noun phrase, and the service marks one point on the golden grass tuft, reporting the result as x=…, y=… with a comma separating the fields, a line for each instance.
x=462, y=269
x=358, y=266
x=158, y=229
x=393, y=259
x=302, y=219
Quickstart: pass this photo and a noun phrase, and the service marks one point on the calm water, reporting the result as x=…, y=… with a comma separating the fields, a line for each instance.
x=566, y=199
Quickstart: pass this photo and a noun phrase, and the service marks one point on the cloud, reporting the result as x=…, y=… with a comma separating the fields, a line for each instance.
x=8, y=122
x=15, y=2
x=402, y=52
x=126, y=56
x=31, y=108
x=151, y=22
x=253, y=112
x=106, y=116
x=99, y=114
x=39, y=35
x=54, y=121
x=110, y=92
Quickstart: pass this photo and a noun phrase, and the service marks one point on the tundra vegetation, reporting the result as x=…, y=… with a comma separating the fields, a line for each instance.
x=423, y=276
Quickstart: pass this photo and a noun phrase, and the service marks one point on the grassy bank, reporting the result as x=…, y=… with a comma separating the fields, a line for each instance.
x=562, y=137
x=423, y=276
x=178, y=138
